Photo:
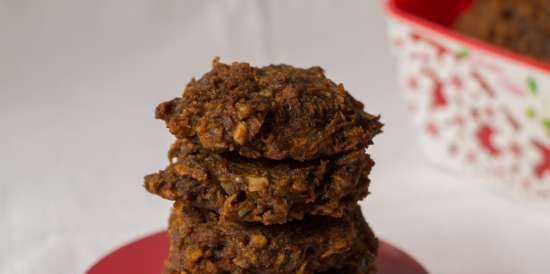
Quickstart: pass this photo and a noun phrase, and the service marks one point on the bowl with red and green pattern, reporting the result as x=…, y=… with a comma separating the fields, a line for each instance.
x=478, y=108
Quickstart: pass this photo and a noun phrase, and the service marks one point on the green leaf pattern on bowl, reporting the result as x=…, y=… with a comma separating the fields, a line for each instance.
x=463, y=54
x=532, y=85
x=532, y=113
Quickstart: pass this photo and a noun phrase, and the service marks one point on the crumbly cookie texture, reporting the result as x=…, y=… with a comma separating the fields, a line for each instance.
x=518, y=25
x=260, y=190
x=202, y=243
x=273, y=112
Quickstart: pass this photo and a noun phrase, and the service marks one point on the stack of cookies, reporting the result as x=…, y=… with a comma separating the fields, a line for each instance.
x=266, y=172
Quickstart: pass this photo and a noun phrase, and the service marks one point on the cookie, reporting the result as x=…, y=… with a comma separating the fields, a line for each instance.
x=202, y=243
x=260, y=190
x=273, y=112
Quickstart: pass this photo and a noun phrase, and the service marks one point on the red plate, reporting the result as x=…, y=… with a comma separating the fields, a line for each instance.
x=146, y=256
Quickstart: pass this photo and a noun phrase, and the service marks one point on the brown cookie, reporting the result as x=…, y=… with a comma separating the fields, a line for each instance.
x=274, y=112
x=201, y=243
x=518, y=25
x=267, y=191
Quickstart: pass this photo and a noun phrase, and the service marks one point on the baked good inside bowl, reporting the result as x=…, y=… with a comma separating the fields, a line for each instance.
x=522, y=26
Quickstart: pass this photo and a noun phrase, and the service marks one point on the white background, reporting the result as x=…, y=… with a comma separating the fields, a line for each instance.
x=79, y=81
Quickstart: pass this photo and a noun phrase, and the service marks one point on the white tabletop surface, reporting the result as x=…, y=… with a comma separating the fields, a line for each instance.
x=78, y=84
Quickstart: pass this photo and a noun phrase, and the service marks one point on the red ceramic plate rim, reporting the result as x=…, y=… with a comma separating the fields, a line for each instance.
x=130, y=258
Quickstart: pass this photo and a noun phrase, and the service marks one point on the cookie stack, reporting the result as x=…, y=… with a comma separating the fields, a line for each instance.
x=266, y=172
